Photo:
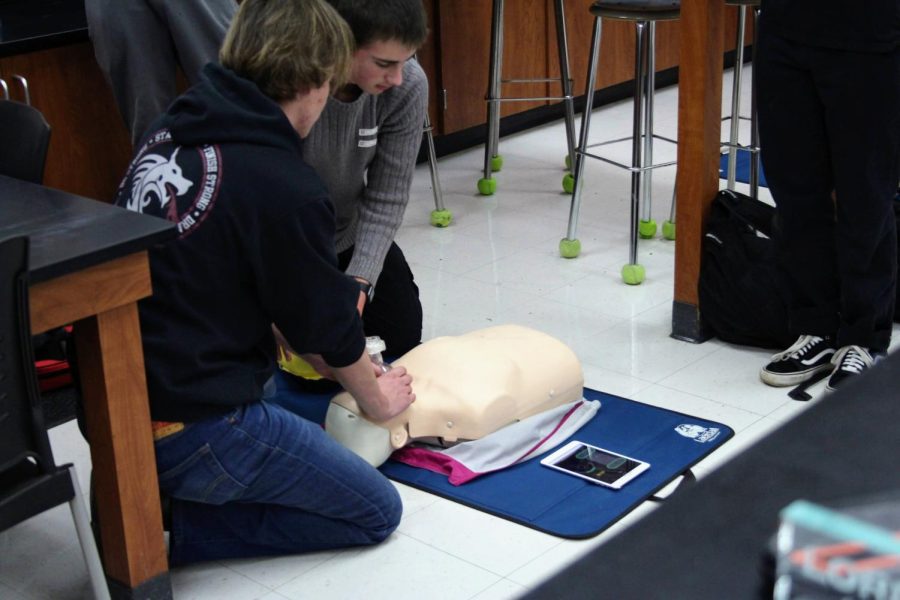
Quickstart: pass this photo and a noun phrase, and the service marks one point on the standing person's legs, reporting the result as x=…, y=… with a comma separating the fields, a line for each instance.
x=262, y=481
x=395, y=313
x=198, y=29
x=135, y=53
x=796, y=157
x=861, y=92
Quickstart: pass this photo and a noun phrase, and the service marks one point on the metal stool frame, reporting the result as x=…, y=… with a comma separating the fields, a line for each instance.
x=440, y=216
x=733, y=143
x=642, y=142
x=492, y=160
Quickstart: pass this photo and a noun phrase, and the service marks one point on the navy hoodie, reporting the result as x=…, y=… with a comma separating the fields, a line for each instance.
x=255, y=247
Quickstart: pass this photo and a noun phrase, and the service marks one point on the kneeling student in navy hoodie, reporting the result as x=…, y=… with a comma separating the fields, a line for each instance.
x=255, y=248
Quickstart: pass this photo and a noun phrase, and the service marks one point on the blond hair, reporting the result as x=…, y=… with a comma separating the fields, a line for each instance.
x=288, y=46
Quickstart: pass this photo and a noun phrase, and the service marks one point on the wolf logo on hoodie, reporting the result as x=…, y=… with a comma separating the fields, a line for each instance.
x=161, y=178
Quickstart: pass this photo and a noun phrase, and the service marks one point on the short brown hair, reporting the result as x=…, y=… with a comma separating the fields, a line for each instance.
x=288, y=46
x=384, y=20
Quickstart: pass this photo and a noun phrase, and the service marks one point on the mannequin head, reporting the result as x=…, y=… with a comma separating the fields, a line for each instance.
x=466, y=387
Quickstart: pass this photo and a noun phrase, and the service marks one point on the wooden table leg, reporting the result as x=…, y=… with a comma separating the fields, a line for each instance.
x=111, y=365
x=699, y=129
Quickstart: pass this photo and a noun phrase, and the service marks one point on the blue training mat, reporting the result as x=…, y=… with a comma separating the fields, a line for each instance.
x=539, y=497
x=742, y=170
x=566, y=506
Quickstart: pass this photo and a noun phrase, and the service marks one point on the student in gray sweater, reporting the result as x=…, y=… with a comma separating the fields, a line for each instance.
x=364, y=148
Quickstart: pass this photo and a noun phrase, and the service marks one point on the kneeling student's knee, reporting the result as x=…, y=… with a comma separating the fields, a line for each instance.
x=391, y=511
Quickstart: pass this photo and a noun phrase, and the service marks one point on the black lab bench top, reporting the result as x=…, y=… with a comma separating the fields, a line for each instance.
x=68, y=232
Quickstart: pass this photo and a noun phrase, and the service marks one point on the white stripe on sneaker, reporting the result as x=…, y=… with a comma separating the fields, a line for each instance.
x=817, y=357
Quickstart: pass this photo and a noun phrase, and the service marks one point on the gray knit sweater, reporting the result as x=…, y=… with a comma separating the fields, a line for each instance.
x=365, y=152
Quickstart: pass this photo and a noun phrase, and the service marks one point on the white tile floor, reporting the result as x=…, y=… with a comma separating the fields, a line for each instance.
x=497, y=263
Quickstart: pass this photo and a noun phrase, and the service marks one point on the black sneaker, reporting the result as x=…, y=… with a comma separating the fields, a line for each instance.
x=848, y=362
x=809, y=355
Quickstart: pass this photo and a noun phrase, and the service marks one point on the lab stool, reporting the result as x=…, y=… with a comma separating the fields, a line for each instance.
x=440, y=216
x=733, y=145
x=493, y=161
x=645, y=14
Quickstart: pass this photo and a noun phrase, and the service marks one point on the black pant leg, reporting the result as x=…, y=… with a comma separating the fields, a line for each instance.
x=797, y=163
x=861, y=95
x=395, y=313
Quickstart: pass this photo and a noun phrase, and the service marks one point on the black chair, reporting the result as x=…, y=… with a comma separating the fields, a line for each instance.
x=30, y=480
x=26, y=136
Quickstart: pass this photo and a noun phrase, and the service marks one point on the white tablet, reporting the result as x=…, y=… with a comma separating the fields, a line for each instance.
x=596, y=465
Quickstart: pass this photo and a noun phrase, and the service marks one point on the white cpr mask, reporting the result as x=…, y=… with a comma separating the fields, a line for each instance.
x=466, y=387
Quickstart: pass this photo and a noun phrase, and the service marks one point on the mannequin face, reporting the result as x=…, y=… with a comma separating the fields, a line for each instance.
x=378, y=66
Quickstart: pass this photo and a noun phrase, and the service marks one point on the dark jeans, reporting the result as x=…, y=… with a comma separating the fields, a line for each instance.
x=395, y=313
x=830, y=135
x=263, y=481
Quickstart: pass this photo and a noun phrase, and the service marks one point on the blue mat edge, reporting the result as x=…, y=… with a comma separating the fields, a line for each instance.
x=610, y=523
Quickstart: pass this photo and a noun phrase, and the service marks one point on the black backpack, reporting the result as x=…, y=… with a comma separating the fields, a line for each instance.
x=742, y=293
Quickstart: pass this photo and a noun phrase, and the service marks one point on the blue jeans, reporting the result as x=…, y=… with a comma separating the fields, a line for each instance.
x=261, y=480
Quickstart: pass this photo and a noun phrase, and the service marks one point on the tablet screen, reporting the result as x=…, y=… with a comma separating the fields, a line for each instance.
x=597, y=464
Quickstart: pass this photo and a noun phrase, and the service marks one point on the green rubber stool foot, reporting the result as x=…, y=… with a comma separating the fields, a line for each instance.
x=569, y=248
x=496, y=163
x=568, y=183
x=487, y=187
x=568, y=162
x=647, y=229
x=441, y=218
x=669, y=230
x=633, y=274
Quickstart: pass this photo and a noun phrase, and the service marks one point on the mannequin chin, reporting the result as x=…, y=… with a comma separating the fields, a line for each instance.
x=364, y=437
x=466, y=387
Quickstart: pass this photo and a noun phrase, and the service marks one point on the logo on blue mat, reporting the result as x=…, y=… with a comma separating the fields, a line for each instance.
x=698, y=433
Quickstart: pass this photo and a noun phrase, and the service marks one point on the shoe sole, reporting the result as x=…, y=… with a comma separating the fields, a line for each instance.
x=787, y=380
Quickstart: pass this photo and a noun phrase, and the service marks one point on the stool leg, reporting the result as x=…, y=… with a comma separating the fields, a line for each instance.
x=736, y=98
x=647, y=226
x=668, y=228
x=754, y=124
x=488, y=185
x=562, y=44
x=569, y=246
x=633, y=273
x=440, y=216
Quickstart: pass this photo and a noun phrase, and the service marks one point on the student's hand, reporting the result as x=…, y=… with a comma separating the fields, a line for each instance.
x=396, y=385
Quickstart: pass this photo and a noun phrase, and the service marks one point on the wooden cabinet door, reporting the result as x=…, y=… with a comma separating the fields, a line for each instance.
x=428, y=56
x=464, y=29
x=89, y=145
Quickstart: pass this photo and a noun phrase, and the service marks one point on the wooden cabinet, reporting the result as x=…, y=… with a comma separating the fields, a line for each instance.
x=464, y=30
x=89, y=145
x=457, y=55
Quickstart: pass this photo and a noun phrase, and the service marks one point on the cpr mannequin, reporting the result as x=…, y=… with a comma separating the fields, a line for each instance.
x=466, y=387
